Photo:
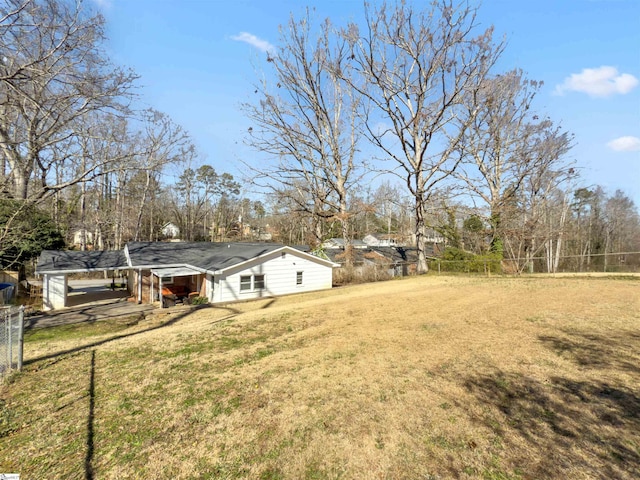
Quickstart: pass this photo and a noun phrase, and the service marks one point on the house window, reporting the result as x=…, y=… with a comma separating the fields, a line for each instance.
x=245, y=283
x=249, y=283
x=298, y=278
x=166, y=280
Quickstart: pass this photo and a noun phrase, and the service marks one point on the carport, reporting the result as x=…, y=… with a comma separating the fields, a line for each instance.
x=55, y=266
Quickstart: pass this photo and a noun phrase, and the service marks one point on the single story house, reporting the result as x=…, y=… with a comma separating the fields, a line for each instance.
x=170, y=230
x=221, y=272
x=380, y=240
x=398, y=261
x=337, y=243
x=82, y=236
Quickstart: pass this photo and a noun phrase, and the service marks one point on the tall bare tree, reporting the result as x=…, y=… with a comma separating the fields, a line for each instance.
x=309, y=125
x=533, y=221
x=506, y=144
x=53, y=73
x=417, y=67
x=163, y=143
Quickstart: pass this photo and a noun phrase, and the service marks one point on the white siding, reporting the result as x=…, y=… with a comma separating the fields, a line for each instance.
x=280, y=277
x=209, y=288
x=54, y=291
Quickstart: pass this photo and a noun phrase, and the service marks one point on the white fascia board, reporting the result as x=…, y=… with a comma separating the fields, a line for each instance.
x=157, y=266
x=128, y=257
x=309, y=256
x=78, y=270
x=182, y=271
x=315, y=258
x=285, y=249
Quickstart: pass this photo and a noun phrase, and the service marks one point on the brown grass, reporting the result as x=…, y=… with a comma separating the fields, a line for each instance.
x=446, y=377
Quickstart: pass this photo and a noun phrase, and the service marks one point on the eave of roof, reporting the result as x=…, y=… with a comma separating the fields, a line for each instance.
x=285, y=249
x=203, y=257
x=71, y=261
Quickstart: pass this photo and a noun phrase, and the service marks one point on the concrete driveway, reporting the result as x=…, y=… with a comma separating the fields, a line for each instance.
x=89, y=301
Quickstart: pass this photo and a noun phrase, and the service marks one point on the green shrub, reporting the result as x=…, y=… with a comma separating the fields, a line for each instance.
x=199, y=301
x=458, y=260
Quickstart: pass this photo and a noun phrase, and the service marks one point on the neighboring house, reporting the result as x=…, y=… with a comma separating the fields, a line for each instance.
x=380, y=240
x=263, y=236
x=337, y=243
x=398, y=261
x=433, y=236
x=78, y=237
x=170, y=230
x=221, y=272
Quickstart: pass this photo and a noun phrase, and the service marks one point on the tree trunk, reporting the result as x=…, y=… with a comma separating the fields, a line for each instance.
x=20, y=182
x=83, y=220
x=421, y=235
x=143, y=203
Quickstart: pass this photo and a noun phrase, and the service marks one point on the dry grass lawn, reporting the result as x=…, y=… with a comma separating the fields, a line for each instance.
x=422, y=378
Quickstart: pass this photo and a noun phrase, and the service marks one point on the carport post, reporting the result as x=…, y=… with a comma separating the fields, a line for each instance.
x=140, y=286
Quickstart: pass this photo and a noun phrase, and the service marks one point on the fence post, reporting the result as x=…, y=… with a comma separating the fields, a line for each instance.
x=9, y=340
x=20, y=336
x=438, y=266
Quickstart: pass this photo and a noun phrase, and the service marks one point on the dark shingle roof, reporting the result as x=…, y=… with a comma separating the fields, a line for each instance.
x=200, y=255
x=394, y=255
x=71, y=260
x=204, y=255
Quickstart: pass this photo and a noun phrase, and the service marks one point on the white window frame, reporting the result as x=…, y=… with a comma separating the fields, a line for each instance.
x=245, y=284
x=166, y=280
x=252, y=283
x=264, y=282
x=299, y=277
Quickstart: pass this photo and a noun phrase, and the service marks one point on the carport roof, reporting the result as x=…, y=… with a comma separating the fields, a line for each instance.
x=67, y=261
x=174, y=272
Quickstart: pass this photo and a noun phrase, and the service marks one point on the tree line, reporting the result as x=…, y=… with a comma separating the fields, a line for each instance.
x=75, y=153
x=409, y=95
x=415, y=94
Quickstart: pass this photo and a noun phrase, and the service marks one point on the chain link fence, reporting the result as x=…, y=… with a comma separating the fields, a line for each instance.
x=611, y=263
x=11, y=338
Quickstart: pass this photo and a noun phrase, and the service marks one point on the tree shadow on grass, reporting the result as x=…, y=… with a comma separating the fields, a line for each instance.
x=171, y=321
x=568, y=427
x=88, y=459
x=563, y=424
x=615, y=350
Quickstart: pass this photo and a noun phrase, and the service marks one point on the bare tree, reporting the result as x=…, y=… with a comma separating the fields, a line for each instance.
x=506, y=144
x=163, y=143
x=53, y=74
x=534, y=220
x=309, y=126
x=602, y=224
x=417, y=67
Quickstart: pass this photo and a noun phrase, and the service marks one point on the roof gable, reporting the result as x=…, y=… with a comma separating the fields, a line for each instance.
x=282, y=250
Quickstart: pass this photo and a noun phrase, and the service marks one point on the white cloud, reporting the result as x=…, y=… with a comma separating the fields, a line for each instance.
x=103, y=4
x=625, y=144
x=598, y=82
x=254, y=41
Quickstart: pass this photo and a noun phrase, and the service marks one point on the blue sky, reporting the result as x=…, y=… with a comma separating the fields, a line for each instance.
x=198, y=60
